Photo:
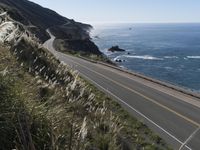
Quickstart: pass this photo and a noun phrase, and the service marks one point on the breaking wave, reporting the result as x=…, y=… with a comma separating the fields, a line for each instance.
x=145, y=57
x=116, y=58
x=170, y=57
x=193, y=57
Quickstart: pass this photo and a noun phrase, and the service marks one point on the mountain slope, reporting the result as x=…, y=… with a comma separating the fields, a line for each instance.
x=46, y=105
x=38, y=19
x=33, y=14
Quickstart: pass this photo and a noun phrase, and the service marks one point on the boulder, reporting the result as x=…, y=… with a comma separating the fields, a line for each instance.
x=119, y=60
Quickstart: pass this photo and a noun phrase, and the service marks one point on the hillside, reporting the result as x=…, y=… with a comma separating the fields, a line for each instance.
x=32, y=16
x=44, y=104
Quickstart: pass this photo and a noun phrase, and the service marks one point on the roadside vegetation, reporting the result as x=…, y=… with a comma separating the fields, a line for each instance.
x=46, y=105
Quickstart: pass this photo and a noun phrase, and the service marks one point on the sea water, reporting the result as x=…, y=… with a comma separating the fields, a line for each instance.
x=168, y=52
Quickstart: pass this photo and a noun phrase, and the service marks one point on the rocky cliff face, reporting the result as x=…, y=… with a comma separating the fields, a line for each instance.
x=32, y=17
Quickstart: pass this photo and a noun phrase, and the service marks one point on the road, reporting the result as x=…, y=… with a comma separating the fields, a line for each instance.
x=173, y=115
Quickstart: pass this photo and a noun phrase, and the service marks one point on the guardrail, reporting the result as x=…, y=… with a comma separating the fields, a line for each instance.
x=168, y=85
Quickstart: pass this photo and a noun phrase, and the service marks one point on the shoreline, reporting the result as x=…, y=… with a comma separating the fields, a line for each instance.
x=178, y=69
x=181, y=89
x=175, y=97
x=166, y=84
x=161, y=80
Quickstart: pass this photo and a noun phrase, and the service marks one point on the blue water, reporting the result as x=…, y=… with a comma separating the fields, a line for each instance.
x=168, y=52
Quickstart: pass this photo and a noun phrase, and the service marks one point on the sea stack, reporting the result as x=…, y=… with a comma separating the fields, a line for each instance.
x=115, y=49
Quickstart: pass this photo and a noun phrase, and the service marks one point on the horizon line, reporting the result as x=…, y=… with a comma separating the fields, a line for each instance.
x=143, y=22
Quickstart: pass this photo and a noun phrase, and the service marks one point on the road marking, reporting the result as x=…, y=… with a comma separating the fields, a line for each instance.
x=147, y=98
x=163, y=91
x=189, y=138
x=189, y=100
x=134, y=108
x=138, y=112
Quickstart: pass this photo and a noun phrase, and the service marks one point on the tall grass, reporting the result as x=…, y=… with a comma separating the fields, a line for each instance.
x=45, y=105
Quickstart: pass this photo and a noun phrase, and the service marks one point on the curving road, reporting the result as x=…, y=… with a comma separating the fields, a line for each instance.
x=173, y=115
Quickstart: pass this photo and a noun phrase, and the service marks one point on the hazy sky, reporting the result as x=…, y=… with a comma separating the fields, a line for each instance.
x=119, y=11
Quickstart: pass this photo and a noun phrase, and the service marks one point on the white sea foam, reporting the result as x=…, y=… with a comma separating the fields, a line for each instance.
x=145, y=57
x=116, y=58
x=171, y=57
x=193, y=57
x=123, y=67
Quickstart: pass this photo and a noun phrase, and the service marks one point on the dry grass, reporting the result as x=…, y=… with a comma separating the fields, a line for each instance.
x=46, y=105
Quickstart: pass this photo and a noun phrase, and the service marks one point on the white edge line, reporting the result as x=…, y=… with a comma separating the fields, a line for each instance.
x=141, y=114
x=153, y=87
x=189, y=138
x=135, y=110
x=121, y=73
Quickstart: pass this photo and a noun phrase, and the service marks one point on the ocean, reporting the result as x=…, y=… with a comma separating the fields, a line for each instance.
x=168, y=52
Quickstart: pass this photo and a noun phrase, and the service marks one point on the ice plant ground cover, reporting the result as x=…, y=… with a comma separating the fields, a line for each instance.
x=44, y=104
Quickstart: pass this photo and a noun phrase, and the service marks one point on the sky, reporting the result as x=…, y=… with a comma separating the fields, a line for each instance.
x=126, y=11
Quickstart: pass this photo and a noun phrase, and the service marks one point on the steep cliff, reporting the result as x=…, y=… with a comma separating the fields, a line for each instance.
x=32, y=16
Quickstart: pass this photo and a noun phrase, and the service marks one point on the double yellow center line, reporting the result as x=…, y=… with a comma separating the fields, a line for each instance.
x=142, y=95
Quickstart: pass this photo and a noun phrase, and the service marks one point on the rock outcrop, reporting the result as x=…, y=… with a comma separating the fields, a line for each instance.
x=82, y=46
x=115, y=49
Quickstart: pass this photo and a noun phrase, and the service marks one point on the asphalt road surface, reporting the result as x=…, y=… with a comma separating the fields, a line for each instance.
x=173, y=115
